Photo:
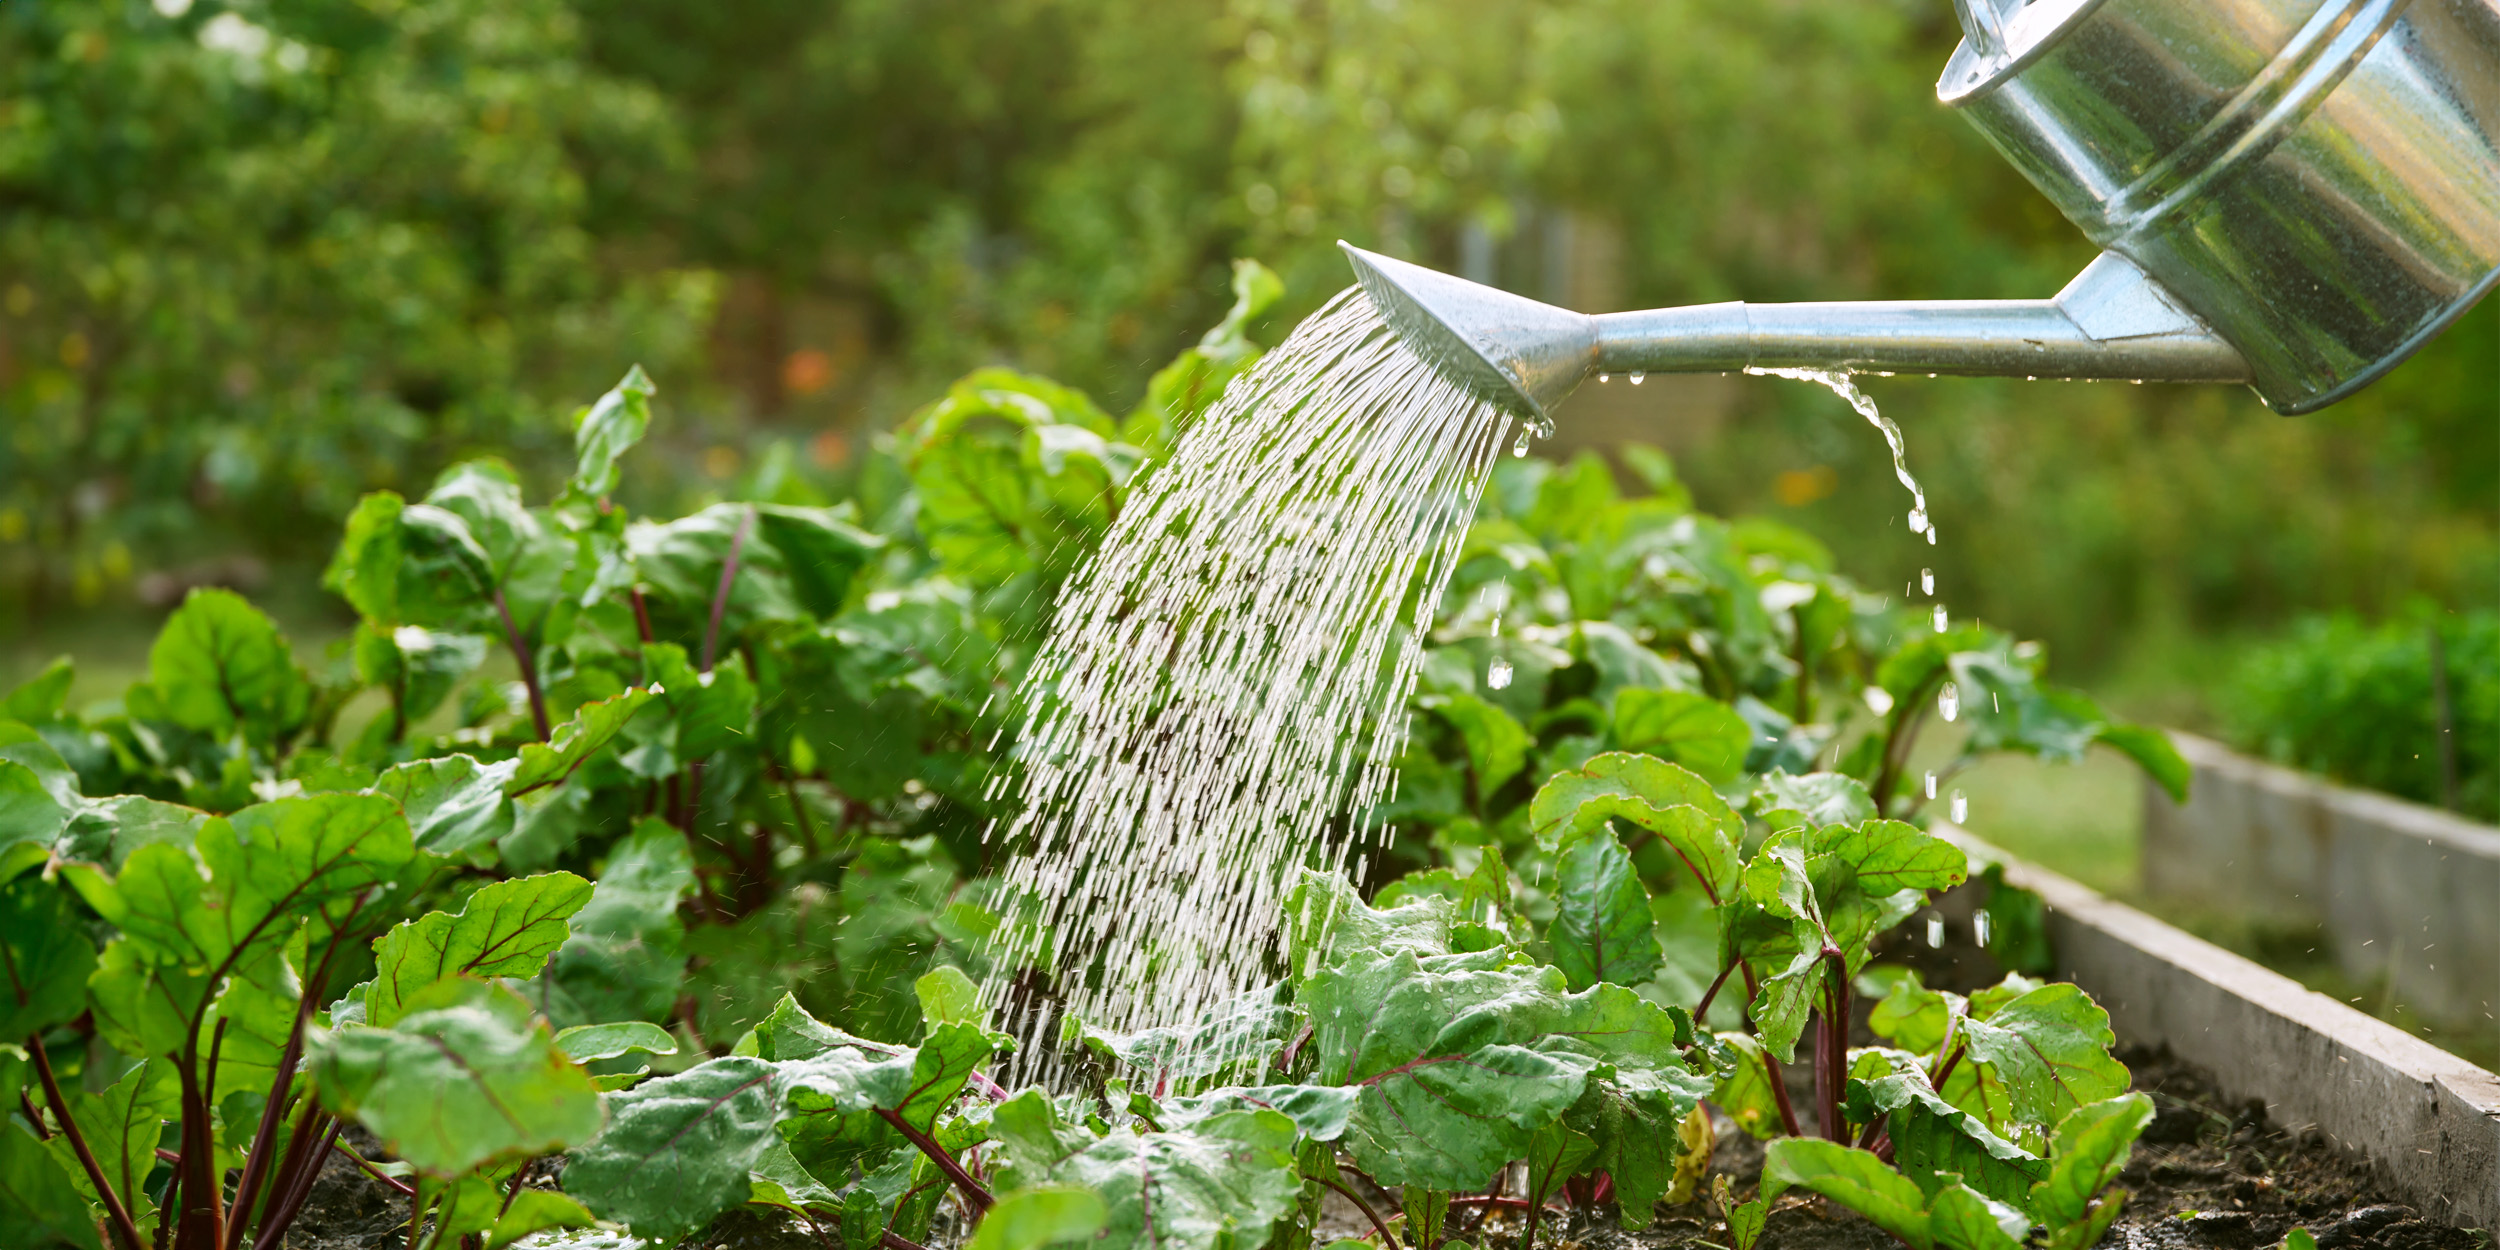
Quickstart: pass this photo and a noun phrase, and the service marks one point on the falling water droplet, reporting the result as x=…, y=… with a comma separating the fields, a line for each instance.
x=1931, y=535
x=1520, y=448
x=1931, y=783
x=1927, y=581
x=1961, y=807
x=1979, y=925
x=1638, y=377
x=1497, y=626
x=1497, y=674
x=1605, y=377
x=1918, y=520
x=1939, y=618
x=1935, y=932
x=1949, y=701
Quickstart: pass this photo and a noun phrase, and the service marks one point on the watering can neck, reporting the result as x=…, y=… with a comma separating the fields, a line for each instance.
x=2111, y=322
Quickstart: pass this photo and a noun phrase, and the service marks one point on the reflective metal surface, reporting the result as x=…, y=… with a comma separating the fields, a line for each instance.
x=2110, y=322
x=2318, y=180
x=2295, y=194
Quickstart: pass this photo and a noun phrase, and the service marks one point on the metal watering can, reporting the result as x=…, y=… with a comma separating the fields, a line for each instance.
x=2294, y=194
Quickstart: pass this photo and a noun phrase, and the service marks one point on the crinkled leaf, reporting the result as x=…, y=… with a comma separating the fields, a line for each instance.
x=947, y=996
x=106, y=831
x=467, y=1075
x=1632, y=1117
x=690, y=715
x=1649, y=793
x=1327, y=923
x=1555, y=1154
x=1224, y=1181
x=46, y=955
x=143, y=1007
x=1318, y=1111
x=2050, y=1050
x=507, y=929
x=678, y=1150
x=1933, y=1138
x=1246, y=1029
x=453, y=803
x=1602, y=929
x=30, y=818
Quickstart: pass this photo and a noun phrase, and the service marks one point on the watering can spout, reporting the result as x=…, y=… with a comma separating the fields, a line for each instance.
x=2112, y=321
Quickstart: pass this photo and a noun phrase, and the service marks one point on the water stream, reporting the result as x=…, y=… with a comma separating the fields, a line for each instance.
x=1225, y=680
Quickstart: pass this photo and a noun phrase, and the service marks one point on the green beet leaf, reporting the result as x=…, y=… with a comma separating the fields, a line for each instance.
x=1045, y=1215
x=40, y=1206
x=1961, y=1218
x=1224, y=1181
x=1327, y=924
x=122, y=1126
x=679, y=1150
x=453, y=803
x=2090, y=1151
x=41, y=697
x=220, y=665
x=1812, y=801
x=1854, y=1178
x=46, y=955
x=31, y=816
x=1690, y=729
x=1933, y=1139
x=106, y=831
x=508, y=929
x=1497, y=745
x=1320, y=1112
x=467, y=1075
x=1631, y=1116
x=1237, y=1035
x=2040, y=1057
x=1654, y=795
x=144, y=1007
x=1602, y=929
x=591, y=727
x=691, y=714
x=947, y=996
x=608, y=429
x=586, y=1043
x=1555, y=1154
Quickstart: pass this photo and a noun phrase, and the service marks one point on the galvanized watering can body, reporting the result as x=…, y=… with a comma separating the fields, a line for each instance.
x=2296, y=194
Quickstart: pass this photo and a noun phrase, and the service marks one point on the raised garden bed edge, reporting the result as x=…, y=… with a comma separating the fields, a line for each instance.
x=2425, y=1120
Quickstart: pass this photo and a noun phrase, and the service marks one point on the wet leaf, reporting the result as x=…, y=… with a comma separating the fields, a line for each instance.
x=1654, y=795
x=2049, y=1050
x=678, y=1150
x=467, y=1075
x=591, y=727
x=453, y=803
x=1033, y=1218
x=1933, y=1139
x=585, y=1043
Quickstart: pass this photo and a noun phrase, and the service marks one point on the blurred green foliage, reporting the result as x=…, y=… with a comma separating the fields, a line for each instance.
x=2360, y=703
x=264, y=255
